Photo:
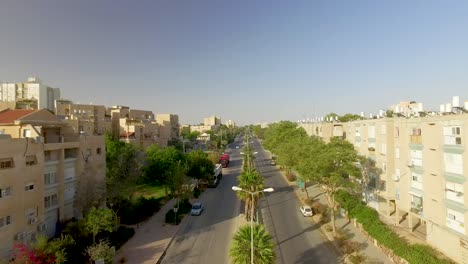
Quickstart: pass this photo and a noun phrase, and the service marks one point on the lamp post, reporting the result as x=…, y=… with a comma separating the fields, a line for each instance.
x=238, y=189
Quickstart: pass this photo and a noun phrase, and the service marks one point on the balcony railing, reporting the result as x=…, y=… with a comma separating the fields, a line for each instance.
x=416, y=139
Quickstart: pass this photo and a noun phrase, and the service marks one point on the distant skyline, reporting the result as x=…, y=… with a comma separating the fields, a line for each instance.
x=248, y=61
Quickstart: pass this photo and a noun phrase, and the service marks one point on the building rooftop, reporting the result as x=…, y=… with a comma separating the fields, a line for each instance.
x=9, y=116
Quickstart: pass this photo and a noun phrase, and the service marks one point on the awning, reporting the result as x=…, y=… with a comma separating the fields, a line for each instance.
x=416, y=194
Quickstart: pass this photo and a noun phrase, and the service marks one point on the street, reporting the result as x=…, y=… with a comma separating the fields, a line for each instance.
x=206, y=238
x=298, y=240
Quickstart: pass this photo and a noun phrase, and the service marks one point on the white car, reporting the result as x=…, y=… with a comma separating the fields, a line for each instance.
x=197, y=209
x=237, y=147
x=306, y=210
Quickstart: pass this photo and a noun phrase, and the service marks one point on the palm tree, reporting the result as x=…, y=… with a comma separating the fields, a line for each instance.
x=264, y=252
x=252, y=182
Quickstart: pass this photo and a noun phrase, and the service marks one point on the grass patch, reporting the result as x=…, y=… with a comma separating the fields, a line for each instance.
x=149, y=191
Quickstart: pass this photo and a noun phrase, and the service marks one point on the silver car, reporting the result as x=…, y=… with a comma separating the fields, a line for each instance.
x=306, y=210
x=197, y=209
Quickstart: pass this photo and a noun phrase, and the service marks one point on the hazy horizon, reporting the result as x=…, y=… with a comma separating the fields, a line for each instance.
x=249, y=61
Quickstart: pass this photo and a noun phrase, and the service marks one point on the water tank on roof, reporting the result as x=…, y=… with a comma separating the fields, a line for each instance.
x=456, y=101
x=448, y=107
x=442, y=108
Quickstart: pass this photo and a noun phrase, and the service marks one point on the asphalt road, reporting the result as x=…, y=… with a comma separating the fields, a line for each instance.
x=206, y=238
x=297, y=239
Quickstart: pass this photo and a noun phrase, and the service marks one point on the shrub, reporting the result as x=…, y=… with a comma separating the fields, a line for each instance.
x=370, y=221
x=357, y=258
x=196, y=192
x=122, y=235
x=171, y=217
x=139, y=210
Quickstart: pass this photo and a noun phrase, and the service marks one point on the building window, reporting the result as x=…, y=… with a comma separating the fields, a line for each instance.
x=50, y=178
x=383, y=129
x=4, y=221
x=5, y=192
x=371, y=131
x=452, y=135
x=6, y=163
x=29, y=187
x=383, y=148
x=417, y=181
x=397, y=153
x=416, y=158
x=453, y=163
x=454, y=192
x=98, y=151
x=26, y=133
x=397, y=132
x=416, y=136
x=456, y=221
x=50, y=201
x=31, y=160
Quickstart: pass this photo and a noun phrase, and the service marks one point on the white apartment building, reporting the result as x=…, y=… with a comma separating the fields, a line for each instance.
x=32, y=94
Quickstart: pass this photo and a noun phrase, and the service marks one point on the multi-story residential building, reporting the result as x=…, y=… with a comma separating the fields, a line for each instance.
x=415, y=174
x=168, y=128
x=230, y=124
x=212, y=121
x=83, y=118
x=31, y=94
x=48, y=173
x=202, y=128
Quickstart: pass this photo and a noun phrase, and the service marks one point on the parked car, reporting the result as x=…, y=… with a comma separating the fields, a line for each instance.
x=197, y=209
x=306, y=210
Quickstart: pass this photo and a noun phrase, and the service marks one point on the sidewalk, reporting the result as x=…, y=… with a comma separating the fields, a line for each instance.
x=372, y=252
x=150, y=241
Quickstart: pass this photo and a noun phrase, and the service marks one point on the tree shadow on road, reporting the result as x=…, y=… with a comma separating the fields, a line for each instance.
x=318, y=255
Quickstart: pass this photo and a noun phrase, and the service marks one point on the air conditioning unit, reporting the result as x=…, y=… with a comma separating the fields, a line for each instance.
x=396, y=177
x=410, y=163
x=39, y=139
x=32, y=220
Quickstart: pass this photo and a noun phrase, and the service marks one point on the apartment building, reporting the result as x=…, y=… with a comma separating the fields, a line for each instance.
x=202, y=128
x=212, y=121
x=415, y=174
x=230, y=124
x=48, y=174
x=137, y=127
x=168, y=128
x=84, y=118
x=32, y=94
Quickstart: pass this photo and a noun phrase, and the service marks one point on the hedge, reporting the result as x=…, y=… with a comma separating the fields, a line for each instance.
x=369, y=218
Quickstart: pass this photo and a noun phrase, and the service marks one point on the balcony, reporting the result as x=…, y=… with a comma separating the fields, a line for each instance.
x=416, y=208
x=416, y=139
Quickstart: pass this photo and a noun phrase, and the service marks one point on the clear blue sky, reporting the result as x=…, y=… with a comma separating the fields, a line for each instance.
x=250, y=61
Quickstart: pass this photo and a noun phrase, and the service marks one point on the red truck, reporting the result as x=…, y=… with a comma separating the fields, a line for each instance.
x=224, y=160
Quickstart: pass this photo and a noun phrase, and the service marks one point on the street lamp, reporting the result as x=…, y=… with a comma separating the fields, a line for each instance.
x=239, y=189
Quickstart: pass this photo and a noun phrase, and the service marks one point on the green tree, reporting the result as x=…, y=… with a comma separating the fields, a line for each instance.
x=264, y=247
x=309, y=166
x=331, y=167
x=252, y=182
x=123, y=170
x=160, y=164
x=349, y=118
x=199, y=165
x=100, y=220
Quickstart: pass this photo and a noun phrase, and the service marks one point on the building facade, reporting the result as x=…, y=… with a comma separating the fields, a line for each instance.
x=49, y=174
x=32, y=94
x=212, y=121
x=168, y=128
x=416, y=173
